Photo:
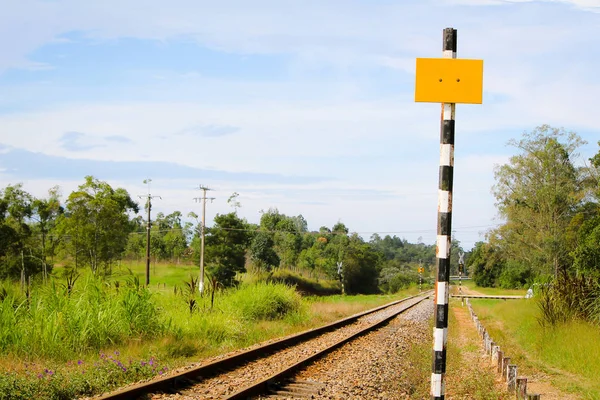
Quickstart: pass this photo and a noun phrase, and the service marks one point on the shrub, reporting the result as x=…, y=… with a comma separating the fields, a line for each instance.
x=264, y=301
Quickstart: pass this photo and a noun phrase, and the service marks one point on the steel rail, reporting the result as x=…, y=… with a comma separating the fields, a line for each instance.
x=180, y=381
x=262, y=386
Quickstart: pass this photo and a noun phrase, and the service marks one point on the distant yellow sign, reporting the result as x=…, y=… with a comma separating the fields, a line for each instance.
x=449, y=80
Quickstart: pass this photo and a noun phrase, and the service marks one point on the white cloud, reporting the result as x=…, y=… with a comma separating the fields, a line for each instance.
x=312, y=126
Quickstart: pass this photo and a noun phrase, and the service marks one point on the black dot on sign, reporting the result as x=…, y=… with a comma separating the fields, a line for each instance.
x=458, y=80
x=440, y=79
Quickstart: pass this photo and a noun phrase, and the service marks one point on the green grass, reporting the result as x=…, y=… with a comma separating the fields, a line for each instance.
x=569, y=353
x=60, y=331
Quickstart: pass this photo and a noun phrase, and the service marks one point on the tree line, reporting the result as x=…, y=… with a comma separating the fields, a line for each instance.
x=97, y=226
x=550, y=204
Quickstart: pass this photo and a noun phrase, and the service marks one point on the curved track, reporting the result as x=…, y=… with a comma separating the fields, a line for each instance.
x=249, y=373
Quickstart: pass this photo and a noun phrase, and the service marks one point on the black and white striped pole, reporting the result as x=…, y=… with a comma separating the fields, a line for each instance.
x=446, y=80
x=461, y=268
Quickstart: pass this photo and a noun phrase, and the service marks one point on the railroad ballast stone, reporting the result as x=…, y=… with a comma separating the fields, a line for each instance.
x=373, y=366
x=229, y=382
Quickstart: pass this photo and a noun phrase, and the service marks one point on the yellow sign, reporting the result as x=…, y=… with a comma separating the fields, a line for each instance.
x=449, y=80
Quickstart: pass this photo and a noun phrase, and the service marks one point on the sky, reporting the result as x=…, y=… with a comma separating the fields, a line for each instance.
x=304, y=106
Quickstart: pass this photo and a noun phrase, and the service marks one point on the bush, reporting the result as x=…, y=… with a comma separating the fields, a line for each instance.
x=264, y=301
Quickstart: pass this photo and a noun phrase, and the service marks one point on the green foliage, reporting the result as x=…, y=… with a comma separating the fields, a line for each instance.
x=361, y=265
x=285, y=233
x=264, y=301
x=515, y=276
x=16, y=254
x=394, y=276
x=537, y=193
x=485, y=264
x=586, y=256
x=262, y=252
x=226, y=247
x=305, y=285
x=97, y=222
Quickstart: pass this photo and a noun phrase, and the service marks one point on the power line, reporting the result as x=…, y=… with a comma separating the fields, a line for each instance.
x=459, y=229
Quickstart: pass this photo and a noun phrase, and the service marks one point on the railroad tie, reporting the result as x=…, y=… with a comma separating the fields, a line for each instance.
x=297, y=390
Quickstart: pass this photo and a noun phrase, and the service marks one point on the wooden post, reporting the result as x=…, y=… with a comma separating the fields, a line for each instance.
x=521, y=388
x=492, y=348
x=505, y=362
x=495, y=350
x=511, y=378
x=500, y=358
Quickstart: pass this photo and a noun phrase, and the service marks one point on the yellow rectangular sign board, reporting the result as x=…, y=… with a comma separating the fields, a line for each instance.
x=449, y=80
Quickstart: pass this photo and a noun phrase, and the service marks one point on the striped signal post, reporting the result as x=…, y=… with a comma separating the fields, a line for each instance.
x=461, y=268
x=444, y=231
x=448, y=81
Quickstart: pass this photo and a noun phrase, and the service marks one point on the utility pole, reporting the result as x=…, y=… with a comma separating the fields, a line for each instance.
x=148, y=225
x=202, y=230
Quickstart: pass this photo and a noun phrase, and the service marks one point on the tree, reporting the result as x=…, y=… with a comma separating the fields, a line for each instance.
x=46, y=212
x=586, y=253
x=286, y=234
x=16, y=243
x=262, y=252
x=226, y=244
x=485, y=264
x=234, y=202
x=537, y=193
x=361, y=265
x=97, y=221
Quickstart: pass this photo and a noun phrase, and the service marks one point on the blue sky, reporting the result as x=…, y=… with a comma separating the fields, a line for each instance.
x=304, y=106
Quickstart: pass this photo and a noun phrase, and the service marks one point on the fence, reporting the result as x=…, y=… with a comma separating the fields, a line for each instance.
x=514, y=384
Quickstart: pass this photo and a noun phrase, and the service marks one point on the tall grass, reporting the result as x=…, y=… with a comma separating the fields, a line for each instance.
x=82, y=322
x=569, y=298
x=54, y=323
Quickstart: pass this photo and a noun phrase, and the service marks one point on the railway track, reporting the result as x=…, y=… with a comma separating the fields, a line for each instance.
x=265, y=369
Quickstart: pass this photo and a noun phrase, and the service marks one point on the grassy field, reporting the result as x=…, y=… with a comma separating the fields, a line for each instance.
x=568, y=354
x=62, y=342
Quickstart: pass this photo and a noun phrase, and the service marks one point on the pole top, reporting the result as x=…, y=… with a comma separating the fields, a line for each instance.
x=449, y=41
